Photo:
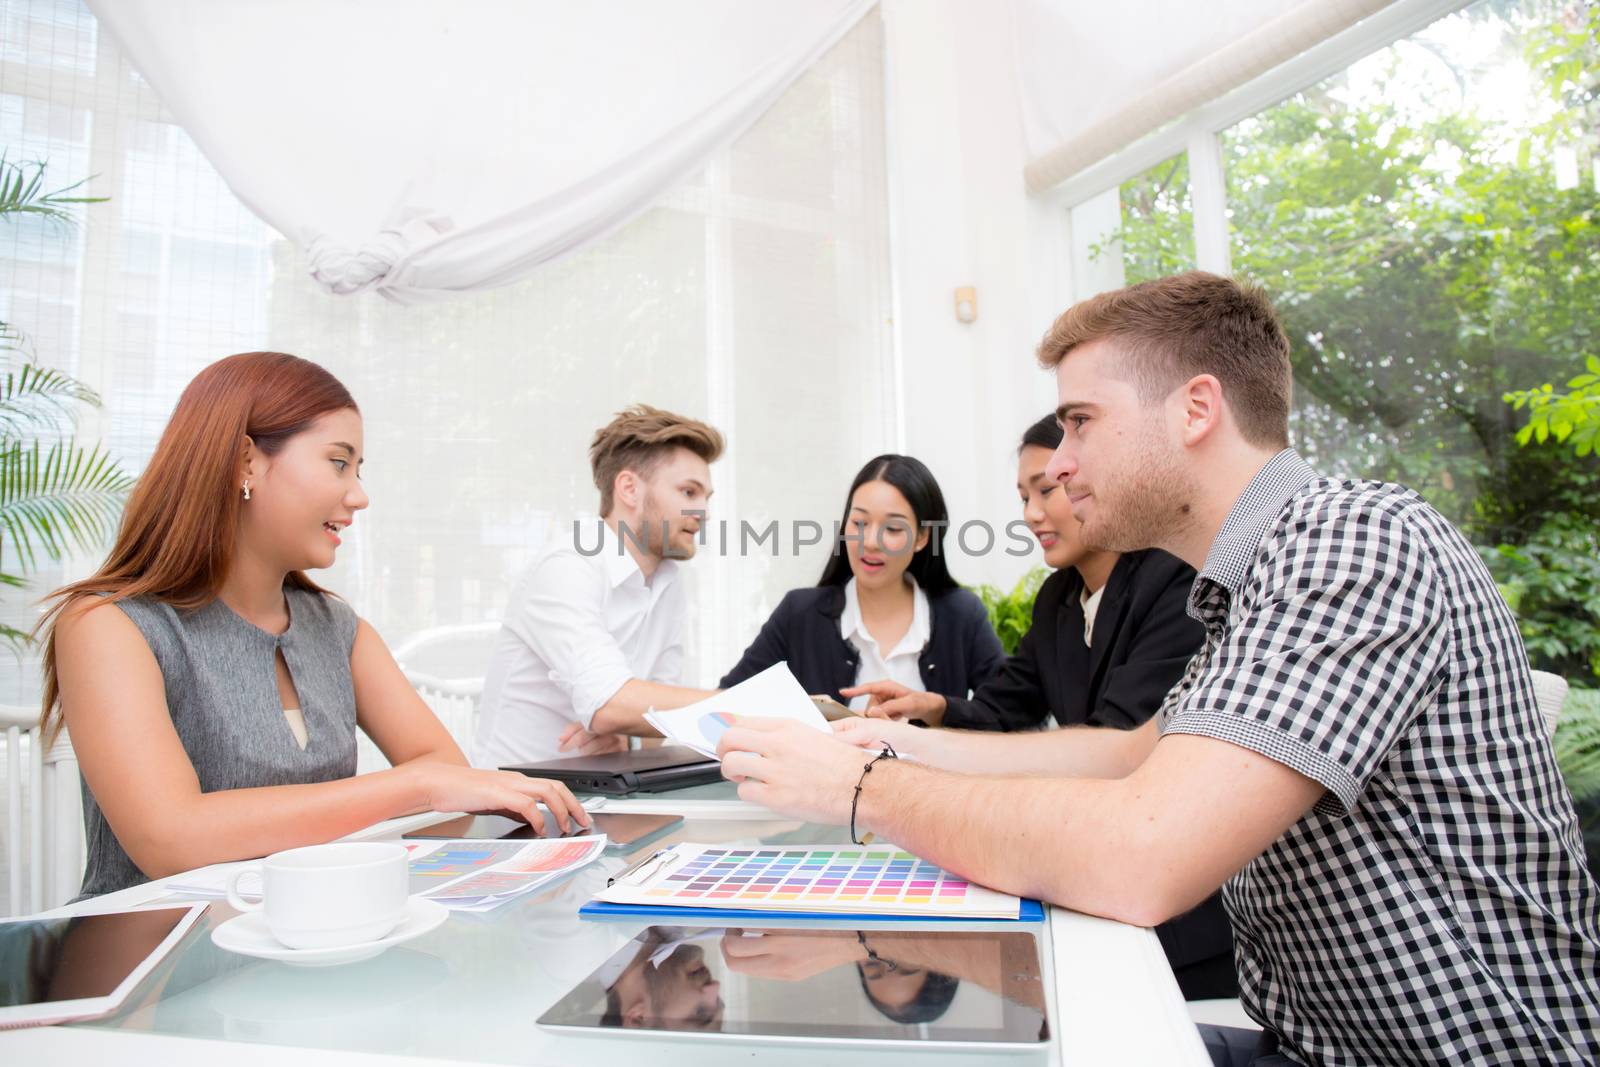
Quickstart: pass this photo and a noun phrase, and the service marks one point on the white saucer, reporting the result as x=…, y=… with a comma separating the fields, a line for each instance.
x=248, y=935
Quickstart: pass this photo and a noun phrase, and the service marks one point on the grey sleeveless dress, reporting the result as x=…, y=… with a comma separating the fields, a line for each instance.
x=222, y=692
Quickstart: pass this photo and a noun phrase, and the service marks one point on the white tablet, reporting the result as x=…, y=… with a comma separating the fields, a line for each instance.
x=82, y=966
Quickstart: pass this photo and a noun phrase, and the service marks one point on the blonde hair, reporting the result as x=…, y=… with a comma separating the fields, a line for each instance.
x=1176, y=327
x=639, y=438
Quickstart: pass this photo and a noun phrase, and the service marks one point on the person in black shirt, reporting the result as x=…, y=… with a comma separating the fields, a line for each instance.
x=1110, y=632
x=886, y=607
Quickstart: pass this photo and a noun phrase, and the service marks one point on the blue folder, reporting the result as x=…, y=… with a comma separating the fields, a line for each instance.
x=1030, y=912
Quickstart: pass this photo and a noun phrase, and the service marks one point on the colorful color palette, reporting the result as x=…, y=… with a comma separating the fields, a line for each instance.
x=854, y=879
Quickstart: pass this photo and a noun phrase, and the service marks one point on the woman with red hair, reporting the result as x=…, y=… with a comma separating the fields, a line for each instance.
x=211, y=689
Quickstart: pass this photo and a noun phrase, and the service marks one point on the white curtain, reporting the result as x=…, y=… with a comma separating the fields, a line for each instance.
x=1094, y=78
x=756, y=294
x=422, y=149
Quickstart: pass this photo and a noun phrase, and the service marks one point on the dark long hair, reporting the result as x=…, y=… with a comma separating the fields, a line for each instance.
x=916, y=483
x=1046, y=433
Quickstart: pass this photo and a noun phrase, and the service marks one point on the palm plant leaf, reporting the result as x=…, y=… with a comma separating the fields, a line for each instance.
x=17, y=639
x=22, y=193
x=1011, y=614
x=1577, y=742
x=34, y=398
x=57, y=499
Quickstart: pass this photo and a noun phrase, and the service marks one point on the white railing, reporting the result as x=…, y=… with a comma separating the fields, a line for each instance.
x=44, y=866
x=454, y=700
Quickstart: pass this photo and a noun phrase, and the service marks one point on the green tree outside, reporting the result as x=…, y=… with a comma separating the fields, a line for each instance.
x=1429, y=263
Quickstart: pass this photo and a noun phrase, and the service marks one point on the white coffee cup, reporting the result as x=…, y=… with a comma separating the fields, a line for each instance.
x=327, y=896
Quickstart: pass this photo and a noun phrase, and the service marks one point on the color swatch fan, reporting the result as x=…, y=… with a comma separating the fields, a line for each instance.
x=848, y=879
x=772, y=694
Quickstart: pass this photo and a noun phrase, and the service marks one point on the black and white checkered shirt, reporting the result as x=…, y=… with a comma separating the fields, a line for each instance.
x=1433, y=907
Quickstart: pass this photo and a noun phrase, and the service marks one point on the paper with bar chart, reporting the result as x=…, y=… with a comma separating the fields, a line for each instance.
x=481, y=875
x=772, y=694
x=847, y=879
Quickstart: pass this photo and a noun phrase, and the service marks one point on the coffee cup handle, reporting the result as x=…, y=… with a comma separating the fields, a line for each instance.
x=237, y=902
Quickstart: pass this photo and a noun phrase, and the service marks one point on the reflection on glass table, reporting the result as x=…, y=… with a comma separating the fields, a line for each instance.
x=474, y=989
x=869, y=985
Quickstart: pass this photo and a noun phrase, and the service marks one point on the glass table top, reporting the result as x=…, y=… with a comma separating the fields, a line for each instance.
x=474, y=988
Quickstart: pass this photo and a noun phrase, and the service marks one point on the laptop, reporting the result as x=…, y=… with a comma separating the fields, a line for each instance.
x=645, y=770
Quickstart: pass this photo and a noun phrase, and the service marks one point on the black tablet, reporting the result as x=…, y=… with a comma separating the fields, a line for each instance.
x=644, y=770
x=957, y=988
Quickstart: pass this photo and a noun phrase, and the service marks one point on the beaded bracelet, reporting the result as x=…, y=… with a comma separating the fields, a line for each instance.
x=887, y=753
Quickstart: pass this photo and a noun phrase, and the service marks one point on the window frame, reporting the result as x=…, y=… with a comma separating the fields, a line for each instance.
x=1199, y=134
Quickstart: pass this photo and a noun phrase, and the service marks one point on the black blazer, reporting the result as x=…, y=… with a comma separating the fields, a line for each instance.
x=962, y=651
x=1143, y=640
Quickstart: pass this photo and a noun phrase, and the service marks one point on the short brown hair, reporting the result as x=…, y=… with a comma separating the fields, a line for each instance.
x=641, y=437
x=1187, y=324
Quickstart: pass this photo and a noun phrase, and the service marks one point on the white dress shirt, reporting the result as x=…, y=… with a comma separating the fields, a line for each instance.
x=578, y=628
x=900, y=665
x=1091, y=608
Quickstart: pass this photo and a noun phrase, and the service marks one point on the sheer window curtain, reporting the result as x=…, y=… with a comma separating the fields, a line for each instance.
x=755, y=294
x=421, y=150
x=1114, y=91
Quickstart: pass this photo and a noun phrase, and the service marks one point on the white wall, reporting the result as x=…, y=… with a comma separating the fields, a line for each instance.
x=961, y=217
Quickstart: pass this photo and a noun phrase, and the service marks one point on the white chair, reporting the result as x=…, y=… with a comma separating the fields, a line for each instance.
x=424, y=657
x=1550, y=693
x=448, y=651
x=1223, y=1011
x=45, y=865
x=454, y=700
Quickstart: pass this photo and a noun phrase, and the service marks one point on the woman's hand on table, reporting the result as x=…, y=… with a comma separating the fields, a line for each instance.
x=891, y=700
x=450, y=787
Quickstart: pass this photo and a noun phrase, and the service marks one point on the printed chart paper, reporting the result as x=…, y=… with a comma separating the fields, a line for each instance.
x=861, y=879
x=772, y=694
x=461, y=875
x=479, y=875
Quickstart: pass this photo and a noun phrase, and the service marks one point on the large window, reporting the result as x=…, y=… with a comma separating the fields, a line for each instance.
x=755, y=296
x=1142, y=229
x=1426, y=222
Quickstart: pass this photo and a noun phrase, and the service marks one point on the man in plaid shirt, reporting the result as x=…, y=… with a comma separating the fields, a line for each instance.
x=1355, y=755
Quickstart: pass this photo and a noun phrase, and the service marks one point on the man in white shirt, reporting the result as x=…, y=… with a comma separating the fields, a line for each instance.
x=593, y=636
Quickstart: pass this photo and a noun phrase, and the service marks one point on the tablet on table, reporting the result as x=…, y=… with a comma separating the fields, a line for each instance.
x=956, y=988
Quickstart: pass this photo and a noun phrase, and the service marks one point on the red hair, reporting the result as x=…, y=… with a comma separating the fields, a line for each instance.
x=176, y=540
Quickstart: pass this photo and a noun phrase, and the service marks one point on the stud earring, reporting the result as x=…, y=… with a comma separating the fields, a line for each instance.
x=247, y=490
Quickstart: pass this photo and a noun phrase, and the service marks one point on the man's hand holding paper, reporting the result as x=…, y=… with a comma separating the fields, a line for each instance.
x=772, y=694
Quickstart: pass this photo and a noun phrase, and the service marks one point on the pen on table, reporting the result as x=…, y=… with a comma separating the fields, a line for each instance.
x=637, y=872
